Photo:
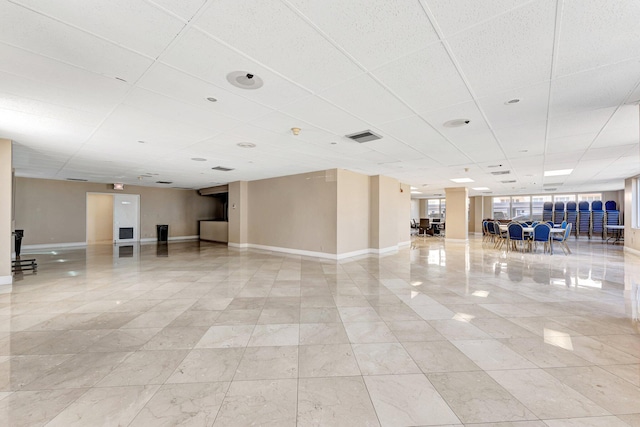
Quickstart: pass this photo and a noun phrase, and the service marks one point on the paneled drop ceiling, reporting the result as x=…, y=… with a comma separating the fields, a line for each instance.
x=116, y=91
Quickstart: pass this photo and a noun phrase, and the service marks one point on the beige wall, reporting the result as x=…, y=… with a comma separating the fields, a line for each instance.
x=295, y=212
x=403, y=212
x=389, y=210
x=6, y=247
x=457, y=214
x=352, y=212
x=631, y=235
x=99, y=218
x=54, y=212
x=238, y=212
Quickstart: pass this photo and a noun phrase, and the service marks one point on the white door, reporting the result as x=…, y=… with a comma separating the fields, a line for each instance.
x=126, y=218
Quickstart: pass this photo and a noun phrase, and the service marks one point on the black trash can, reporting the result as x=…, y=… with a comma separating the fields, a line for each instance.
x=19, y=234
x=163, y=232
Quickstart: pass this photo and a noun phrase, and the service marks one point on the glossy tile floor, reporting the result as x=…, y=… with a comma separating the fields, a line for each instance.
x=438, y=334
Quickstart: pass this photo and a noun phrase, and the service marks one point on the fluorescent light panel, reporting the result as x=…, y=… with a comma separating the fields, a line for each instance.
x=480, y=188
x=462, y=180
x=558, y=172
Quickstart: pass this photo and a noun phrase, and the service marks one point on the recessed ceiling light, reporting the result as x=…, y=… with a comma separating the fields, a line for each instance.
x=416, y=192
x=558, y=172
x=212, y=99
x=456, y=123
x=512, y=101
x=198, y=159
x=244, y=80
x=462, y=180
x=246, y=144
x=414, y=188
x=480, y=188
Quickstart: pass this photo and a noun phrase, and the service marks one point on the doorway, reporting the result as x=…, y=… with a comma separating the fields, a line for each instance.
x=113, y=218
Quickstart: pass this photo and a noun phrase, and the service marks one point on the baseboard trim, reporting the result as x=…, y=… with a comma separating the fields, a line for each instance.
x=324, y=255
x=407, y=243
x=171, y=239
x=632, y=251
x=447, y=239
x=291, y=251
x=6, y=280
x=55, y=246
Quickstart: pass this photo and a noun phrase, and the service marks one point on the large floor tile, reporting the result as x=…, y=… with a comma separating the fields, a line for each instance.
x=207, y=365
x=261, y=363
x=384, y=358
x=264, y=402
x=439, y=356
x=327, y=360
x=408, y=400
x=335, y=402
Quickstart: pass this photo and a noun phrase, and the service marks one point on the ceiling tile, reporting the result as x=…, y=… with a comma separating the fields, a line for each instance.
x=203, y=57
x=273, y=35
x=455, y=16
x=427, y=80
x=185, y=9
x=613, y=34
x=372, y=31
x=579, y=123
x=39, y=34
x=367, y=99
x=566, y=144
x=136, y=25
x=510, y=51
x=325, y=115
x=590, y=90
x=532, y=107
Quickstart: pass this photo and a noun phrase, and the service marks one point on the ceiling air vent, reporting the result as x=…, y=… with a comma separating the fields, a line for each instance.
x=501, y=173
x=222, y=169
x=552, y=184
x=164, y=182
x=364, y=136
x=76, y=179
x=550, y=189
x=509, y=181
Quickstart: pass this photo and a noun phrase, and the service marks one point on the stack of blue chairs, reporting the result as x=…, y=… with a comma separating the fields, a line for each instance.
x=547, y=212
x=597, y=218
x=572, y=217
x=584, y=219
x=613, y=215
x=558, y=212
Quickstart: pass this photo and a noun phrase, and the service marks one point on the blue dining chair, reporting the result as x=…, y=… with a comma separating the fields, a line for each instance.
x=542, y=233
x=563, y=225
x=563, y=239
x=515, y=234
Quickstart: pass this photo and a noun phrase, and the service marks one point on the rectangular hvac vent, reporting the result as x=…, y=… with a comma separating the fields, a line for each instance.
x=510, y=181
x=77, y=179
x=364, y=136
x=550, y=189
x=554, y=184
x=222, y=169
x=164, y=182
x=501, y=173
x=125, y=233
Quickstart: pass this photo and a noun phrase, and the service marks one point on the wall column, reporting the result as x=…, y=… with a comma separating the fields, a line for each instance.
x=457, y=216
x=6, y=207
x=238, y=208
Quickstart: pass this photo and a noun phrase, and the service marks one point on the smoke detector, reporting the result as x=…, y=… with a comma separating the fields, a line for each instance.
x=244, y=80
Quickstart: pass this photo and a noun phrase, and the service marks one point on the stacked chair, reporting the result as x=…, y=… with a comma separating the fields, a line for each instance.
x=547, y=211
x=597, y=218
x=612, y=216
x=584, y=219
x=558, y=212
x=572, y=216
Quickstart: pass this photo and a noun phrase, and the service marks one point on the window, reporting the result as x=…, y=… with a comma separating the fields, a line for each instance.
x=501, y=207
x=635, y=203
x=589, y=197
x=537, y=203
x=436, y=208
x=564, y=198
x=521, y=208
x=529, y=207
